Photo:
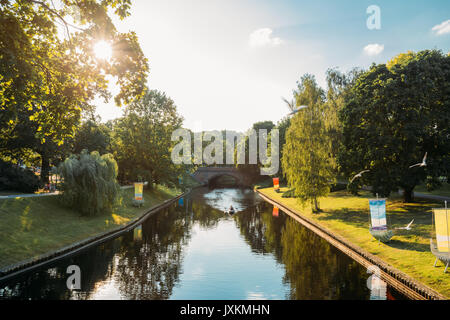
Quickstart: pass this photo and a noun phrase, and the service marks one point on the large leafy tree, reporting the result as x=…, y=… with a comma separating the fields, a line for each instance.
x=141, y=139
x=307, y=159
x=338, y=91
x=92, y=136
x=397, y=112
x=50, y=73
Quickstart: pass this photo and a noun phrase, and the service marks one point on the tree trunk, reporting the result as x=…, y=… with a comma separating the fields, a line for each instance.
x=316, y=205
x=408, y=194
x=45, y=168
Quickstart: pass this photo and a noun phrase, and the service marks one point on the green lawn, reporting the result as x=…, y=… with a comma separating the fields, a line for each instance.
x=408, y=251
x=30, y=227
x=442, y=191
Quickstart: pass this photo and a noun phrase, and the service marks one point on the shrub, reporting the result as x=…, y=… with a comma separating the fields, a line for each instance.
x=90, y=182
x=264, y=184
x=141, y=175
x=338, y=187
x=15, y=178
x=289, y=194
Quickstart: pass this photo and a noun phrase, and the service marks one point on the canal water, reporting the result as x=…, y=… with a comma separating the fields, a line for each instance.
x=193, y=250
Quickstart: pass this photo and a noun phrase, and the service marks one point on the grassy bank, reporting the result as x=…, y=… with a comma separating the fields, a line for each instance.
x=30, y=227
x=408, y=251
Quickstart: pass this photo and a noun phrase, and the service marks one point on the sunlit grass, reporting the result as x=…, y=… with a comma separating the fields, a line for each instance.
x=408, y=251
x=30, y=227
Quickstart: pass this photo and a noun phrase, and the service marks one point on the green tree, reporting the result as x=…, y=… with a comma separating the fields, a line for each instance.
x=282, y=126
x=90, y=182
x=307, y=159
x=141, y=140
x=393, y=116
x=16, y=178
x=53, y=79
x=253, y=170
x=92, y=136
x=338, y=91
x=23, y=146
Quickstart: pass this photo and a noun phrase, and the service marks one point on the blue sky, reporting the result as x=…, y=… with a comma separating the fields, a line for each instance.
x=226, y=64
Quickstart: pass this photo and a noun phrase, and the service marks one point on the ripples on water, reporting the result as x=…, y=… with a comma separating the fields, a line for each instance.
x=193, y=250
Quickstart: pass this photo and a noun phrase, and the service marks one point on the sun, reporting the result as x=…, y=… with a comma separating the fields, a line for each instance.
x=103, y=50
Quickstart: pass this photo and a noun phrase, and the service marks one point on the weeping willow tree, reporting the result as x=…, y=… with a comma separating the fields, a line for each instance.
x=90, y=182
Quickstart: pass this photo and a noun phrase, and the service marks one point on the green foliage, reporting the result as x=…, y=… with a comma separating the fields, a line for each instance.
x=141, y=140
x=252, y=171
x=92, y=136
x=339, y=89
x=141, y=175
x=392, y=116
x=47, y=80
x=307, y=161
x=338, y=187
x=15, y=178
x=282, y=127
x=90, y=183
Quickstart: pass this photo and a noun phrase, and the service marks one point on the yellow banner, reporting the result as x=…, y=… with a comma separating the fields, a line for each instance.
x=442, y=220
x=137, y=233
x=138, y=188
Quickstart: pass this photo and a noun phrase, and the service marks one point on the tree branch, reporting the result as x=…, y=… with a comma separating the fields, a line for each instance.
x=66, y=24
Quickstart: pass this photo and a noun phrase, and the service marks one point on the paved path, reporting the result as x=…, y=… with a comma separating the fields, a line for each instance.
x=416, y=194
x=29, y=195
x=35, y=195
x=431, y=196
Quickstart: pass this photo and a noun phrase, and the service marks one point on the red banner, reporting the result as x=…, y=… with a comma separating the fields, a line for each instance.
x=276, y=183
x=275, y=212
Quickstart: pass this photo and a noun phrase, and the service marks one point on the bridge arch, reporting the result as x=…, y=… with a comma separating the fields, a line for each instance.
x=205, y=175
x=223, y=179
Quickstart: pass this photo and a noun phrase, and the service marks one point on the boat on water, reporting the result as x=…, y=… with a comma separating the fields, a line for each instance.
x=230, y=210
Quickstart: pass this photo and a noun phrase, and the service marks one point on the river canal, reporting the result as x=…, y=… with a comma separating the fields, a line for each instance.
x=193, y=250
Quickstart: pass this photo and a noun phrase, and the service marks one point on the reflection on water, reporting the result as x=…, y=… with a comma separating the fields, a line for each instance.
x=193, y=250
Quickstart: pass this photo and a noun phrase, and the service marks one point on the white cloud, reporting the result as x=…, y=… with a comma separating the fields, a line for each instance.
x=442, y=28
x=373, y=49
x=263, y=37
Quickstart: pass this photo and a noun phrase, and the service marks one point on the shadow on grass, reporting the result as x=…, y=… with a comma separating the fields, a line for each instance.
x=399, y=214
x=353, y=217
x=407, y=245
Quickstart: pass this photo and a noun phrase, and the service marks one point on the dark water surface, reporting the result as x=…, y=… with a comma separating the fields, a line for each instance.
x=193, y=250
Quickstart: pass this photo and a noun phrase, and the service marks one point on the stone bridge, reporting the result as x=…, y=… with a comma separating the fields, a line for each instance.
x=205, y=175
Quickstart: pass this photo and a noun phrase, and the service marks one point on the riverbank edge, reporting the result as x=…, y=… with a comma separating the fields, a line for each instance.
x=16, y=269
x=407, y=285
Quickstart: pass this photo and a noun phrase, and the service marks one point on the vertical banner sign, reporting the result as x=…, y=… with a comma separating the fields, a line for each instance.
x=378, y=289
x=378, y=214
x=276, y=183
x=275, y=211
x=442, y=219
x=138, y=188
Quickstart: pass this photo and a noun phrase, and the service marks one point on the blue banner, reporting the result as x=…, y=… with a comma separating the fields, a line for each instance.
x=378, y=214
